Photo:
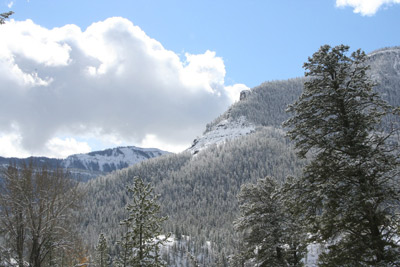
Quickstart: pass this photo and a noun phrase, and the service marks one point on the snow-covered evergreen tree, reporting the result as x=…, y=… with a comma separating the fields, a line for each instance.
x=349, y=191
x=125, y=250
x=266, y=226
x=143, y=237
x=102, y=255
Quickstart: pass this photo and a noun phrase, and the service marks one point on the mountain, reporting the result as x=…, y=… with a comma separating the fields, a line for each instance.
x=111, y=159
x=198, y=187
x=50, y=162
x=93, y=164
x=265, y=104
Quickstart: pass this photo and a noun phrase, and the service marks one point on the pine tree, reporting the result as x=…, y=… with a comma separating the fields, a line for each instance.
x=270, y=237
x=348, y=192
x=125, y=249
x=293, y=233
x=143, y=237
x=102, y=257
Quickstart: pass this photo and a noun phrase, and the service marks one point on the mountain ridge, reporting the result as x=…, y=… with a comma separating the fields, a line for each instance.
x=95, y=163
x=385, y=70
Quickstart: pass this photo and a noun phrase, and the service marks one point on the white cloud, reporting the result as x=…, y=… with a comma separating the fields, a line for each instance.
x=233, y=91
x=9, y=5
x=10, y=146
x=365, y=7
x=205, y=71
x=62, y=148
x=111, y=80
x=152, y=141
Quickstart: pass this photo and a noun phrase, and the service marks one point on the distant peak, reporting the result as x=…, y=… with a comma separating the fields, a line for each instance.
x=395, y=49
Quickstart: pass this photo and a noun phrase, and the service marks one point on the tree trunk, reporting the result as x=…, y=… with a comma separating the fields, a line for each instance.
x=35, y=253
x=20, y=239
x=377, y=243
x=140, y=244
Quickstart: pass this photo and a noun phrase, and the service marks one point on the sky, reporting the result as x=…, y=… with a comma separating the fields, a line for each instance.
x=81, y=76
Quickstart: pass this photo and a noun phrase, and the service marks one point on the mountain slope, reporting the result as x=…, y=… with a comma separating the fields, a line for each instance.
x=198, y=193
x=243, y=144
x=265, y=104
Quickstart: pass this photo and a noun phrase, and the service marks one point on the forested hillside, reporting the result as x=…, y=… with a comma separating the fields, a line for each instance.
x=266, y=104
x=198, y=192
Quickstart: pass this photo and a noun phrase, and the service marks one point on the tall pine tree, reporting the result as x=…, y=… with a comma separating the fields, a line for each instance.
x=143, y=237
x=349, y=192
x=102, y=256
x=271, y=237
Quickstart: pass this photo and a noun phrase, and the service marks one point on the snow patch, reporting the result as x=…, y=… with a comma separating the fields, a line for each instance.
x=225, y=130
x=111, y=159
x=313, y=252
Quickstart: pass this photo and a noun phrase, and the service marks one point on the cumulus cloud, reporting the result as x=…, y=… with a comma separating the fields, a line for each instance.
x=233, y=91
x=365, y=7
x=108, y=81
x=10, y=146
x=62, y=148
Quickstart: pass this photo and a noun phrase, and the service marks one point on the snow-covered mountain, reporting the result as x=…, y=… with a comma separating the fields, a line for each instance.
x=385, y=63
x=265, y=105
x=110, y=159
x=93, y=164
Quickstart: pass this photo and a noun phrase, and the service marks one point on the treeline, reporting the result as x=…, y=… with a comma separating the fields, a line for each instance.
x=197, y=193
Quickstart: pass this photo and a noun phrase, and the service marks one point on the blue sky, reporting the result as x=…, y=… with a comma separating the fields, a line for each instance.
x=233, y=44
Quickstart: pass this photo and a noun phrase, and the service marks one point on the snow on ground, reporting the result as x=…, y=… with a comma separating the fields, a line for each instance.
x=313, y=251
x=225, y=130
x=178, y=251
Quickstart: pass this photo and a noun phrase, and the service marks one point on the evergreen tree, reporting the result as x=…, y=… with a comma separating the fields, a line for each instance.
x=292, y=230
x=348, y=193
x=102, y=257
x=143, y=237
x=125, y=249
x=269, y=235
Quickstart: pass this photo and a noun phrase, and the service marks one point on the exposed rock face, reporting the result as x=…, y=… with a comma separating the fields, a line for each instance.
x=385, y=65
x=244, y=94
